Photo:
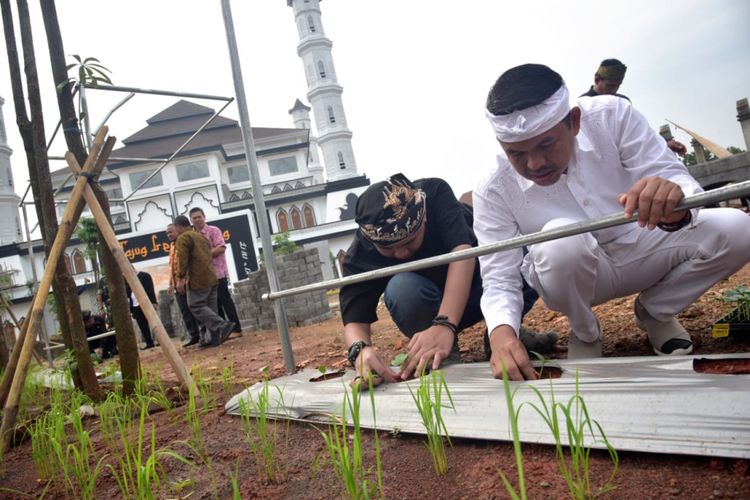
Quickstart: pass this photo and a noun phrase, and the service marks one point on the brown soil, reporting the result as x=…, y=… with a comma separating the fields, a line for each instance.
x=407, y=469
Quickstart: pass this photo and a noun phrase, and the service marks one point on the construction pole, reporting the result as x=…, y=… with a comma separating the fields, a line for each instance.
x=155, y=324
x=260, y=203
x=10, y=413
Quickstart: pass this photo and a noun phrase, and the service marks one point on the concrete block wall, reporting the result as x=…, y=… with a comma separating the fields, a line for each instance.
x=301, y=268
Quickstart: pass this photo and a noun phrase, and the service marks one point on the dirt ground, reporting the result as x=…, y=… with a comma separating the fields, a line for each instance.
x=407, y=469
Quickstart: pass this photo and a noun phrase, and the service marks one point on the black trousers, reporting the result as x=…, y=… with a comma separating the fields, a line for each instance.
x=227, y=309
x=190, y=323
x=140, y=318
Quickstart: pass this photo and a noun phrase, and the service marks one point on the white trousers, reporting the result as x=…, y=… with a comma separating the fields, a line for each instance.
x=670, y=270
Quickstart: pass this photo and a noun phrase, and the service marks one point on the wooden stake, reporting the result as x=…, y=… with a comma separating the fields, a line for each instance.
x=40, y=299
x=155, y=324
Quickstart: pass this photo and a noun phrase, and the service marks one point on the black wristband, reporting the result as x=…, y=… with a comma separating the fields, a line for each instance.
x=671, y=227
x=443, y=320
x=354, y=351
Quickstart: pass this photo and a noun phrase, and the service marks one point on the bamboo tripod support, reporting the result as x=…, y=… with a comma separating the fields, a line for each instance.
x=62, y=239
x=155, y=324
x=72, y=211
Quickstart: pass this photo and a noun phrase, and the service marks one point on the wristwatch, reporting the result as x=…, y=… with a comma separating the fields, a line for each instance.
x=354, y=351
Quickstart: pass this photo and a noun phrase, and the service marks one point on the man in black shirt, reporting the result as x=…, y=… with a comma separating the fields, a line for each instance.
x=96, y=325
x=403, y=221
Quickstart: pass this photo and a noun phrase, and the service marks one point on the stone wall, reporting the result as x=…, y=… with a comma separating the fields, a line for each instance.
x=301, y=268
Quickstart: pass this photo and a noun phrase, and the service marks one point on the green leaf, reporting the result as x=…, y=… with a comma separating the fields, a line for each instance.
x=399, y=360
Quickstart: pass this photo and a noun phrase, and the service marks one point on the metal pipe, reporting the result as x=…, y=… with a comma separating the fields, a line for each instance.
x=117, y=88
x=260, y=203
x=179, y=150
x=115, y=108
x=716, y=195
x=118, y=158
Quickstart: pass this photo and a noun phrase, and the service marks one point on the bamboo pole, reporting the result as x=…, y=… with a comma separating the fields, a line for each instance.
x=40, y=299
x=155, y=324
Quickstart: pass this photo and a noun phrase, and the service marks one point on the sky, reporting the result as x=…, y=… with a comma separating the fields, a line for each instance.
x=415, y=73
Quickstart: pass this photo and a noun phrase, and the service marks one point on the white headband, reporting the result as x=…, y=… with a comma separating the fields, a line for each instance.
x=530, y=122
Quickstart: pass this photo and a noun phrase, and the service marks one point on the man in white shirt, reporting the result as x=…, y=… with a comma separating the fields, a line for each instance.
x=560, y=165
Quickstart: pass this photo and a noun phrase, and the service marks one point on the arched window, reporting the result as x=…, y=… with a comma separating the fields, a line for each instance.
x=296, y=218
x=342, y=163
x=309, y=215
x=282, y=220
x=311, y=24
x=321, y=69
x=79, y=264
x=331, y=116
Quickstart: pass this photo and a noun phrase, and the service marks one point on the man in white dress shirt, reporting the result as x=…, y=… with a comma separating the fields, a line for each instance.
x=560, y=165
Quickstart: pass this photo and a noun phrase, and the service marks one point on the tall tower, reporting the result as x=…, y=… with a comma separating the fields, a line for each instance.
x=10, y=226
x=301, y=118
x=324, y=92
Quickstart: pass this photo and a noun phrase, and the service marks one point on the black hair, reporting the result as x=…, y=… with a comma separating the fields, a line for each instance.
x=611, y=62
x=181, y=221
x=197, y=209
x=522, y=87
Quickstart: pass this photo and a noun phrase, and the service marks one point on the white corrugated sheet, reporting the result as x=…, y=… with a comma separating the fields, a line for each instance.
x=652, y=404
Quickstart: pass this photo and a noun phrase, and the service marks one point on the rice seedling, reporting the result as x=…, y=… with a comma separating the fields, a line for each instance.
x=84, y=467
x=227, y=375
x=262, y=433
x=234, y=477
x=205, y=389
x=513, y=422
x=429, y=400
x=347, y=460
x=576, y=424
x=138, y=471
x=195, y=441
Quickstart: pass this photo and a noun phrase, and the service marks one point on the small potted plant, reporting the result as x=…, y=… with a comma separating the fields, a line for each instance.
x=737, y=322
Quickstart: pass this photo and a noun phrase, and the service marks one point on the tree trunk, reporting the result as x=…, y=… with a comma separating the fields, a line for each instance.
x=32, y=133
x=126, y=343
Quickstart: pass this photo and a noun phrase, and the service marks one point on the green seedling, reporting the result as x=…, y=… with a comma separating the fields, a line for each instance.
x=399, y=359
x=517, y=451
x=577, y=423
x=740, y=297
x=262, y=433
x=429, y=400
x=346, y=458
x=577, y=426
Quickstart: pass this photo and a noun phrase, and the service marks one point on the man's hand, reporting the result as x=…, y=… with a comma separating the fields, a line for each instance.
x=180, y=286
x=677, y=147
x=433, y=344
x=654, y=198
x=509, y=352
x=369, y=362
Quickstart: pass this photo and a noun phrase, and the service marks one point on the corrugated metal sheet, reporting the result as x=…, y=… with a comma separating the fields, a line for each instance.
x=652, y=404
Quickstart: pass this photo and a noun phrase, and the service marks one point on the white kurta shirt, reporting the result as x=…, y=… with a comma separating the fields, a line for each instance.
x=615, y=147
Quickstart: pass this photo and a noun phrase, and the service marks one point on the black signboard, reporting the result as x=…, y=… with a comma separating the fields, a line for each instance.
x=236, y=232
